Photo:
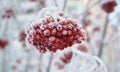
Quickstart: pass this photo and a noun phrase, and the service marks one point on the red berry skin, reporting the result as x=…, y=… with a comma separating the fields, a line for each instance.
x=109, y=6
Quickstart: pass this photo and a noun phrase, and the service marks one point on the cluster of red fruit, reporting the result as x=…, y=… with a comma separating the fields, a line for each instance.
x=22, y=36
x=8, y=13
x=109, y=6
x=53, y=34
x=67, y=57
x=82, y=48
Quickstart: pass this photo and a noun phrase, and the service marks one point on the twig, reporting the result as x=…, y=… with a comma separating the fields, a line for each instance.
x=64, y=5
x=50, y=62
x=40, y=63
x=28, y=62
x=103, y=37
x=3, y=34
x=55, y=3
x=118, y=25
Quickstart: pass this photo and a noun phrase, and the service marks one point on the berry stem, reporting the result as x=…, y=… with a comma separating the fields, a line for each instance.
x=40, y=63
x=28, y=61
x=64, y=5
x=103, y=37
x=50, y=62
x=118, y=32
x=4, y=62
x=56, y=3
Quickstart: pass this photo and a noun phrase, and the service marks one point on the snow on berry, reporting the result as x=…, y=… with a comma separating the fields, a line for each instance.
x=51, y=30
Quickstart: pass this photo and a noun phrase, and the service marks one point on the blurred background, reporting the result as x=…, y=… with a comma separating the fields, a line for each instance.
x=103, y=32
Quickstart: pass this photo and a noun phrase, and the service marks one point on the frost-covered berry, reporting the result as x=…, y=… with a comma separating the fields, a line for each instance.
x=52, y=32
x=108, y=7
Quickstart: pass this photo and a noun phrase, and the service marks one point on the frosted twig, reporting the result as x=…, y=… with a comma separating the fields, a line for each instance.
x=90, y=63
x=56, y=3
x=64, y=5
x=50, y=62
x=103, y=37
x=3, y=69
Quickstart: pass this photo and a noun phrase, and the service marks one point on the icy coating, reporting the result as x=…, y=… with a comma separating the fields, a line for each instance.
x=51, y=30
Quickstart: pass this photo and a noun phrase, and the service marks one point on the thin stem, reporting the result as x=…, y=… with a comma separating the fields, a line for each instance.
x=64, y=5
x=118, y=34
x=50, y=62
x=28, y=61
x=56, y=3
x=51, y=56
x=3, y=68
x=4, y=62
x=40, y=63
x=103, y=37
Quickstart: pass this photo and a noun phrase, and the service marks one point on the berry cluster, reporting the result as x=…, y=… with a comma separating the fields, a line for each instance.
x=8, y=13
x=109, y=6
x=52, y=34
x=67, y=57
x=83, y=48
x=22, y=36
